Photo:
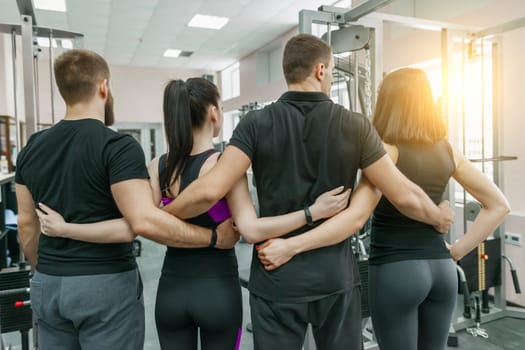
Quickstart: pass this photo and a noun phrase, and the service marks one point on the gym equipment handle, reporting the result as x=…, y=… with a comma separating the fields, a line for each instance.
x=514, y=274
x=515, y=281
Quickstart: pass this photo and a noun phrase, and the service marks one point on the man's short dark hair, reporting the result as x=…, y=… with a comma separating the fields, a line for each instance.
x=77, y=73
x=301, y=54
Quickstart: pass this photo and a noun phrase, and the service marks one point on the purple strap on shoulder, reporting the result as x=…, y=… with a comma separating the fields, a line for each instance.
x=220, y=211
x=166, y=200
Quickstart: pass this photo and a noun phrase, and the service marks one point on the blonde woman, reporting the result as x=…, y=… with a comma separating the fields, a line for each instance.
x=412, y=275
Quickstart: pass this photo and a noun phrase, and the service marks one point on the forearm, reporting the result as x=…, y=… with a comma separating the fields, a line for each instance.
x=341, y=226
x=193, y=201
x=261, y=229
x=483, y=226
x=166, y=229
x=110, y=231
x=416, y=205
x=28, y=236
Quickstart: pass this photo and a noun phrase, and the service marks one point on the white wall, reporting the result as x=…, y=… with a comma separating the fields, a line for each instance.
x=137, y=92
x=269, y=88
x=7, y=101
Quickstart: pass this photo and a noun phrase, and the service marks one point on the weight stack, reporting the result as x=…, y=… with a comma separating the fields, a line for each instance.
x=11, y=318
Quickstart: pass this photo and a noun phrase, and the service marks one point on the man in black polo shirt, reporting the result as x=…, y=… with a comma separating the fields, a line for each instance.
x=88, y=295
x=300, y=146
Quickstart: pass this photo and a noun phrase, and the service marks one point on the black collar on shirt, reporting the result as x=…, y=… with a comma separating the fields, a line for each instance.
x=309, y=96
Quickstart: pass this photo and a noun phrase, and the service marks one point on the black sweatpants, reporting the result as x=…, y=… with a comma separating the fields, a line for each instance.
x=336, y=322
x=412, y=302
x=211, y=305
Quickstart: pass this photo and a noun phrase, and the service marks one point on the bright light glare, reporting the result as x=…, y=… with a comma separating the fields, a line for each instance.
x=51, y=5
x=44, y=42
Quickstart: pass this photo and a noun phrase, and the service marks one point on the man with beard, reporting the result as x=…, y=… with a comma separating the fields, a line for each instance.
x=89, y=295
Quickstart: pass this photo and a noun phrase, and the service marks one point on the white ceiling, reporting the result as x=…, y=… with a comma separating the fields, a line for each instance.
x=137, y=32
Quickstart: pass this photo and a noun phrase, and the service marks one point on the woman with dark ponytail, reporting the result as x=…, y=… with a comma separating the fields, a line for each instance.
x=199, y=290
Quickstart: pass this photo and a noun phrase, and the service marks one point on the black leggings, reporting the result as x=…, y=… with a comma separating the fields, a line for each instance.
x=211, y=305
x=412, y=302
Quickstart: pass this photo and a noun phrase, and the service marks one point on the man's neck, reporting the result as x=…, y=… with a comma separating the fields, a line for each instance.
x=83, y=111
x=305, y=86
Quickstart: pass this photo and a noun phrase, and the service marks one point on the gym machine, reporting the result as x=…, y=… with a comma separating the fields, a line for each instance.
x=484, y=267
x=15, y=311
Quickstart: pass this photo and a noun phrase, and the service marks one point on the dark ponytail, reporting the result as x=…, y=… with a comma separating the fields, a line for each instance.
x=185, y=106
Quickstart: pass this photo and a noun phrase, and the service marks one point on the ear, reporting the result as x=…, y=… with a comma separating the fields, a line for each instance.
x=212, y=111
x=319, y=71
x=103, y=88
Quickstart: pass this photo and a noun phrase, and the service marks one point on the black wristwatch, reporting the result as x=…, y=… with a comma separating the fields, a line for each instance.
x=213, y=241
x=309, y=220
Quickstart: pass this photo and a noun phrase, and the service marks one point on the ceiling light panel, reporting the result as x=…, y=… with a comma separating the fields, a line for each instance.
x=172, y=53
x=208, y=22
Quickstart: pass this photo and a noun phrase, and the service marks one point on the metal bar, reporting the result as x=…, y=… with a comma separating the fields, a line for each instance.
x=355, y=58
x=41, y=31
x=15, y=93
x=482, y=44
x=307, y=17
x=9, y=292
x=36, y=77
x=29, y=86
x=500, y=292
x=444, y=110
x=501, y=28
x=493, y=159
x=17, y=118
x=51, y=77
x=305, y=21
x=364, y=9
x=376, y=64
x=25, y=7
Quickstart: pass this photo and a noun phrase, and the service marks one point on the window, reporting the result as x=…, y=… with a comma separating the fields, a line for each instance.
x=470, y=105
x=231, y=82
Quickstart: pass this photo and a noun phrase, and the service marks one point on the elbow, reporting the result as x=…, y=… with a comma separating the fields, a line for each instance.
x=250, y=238
x=500, y=208
x=360, y=222
x=140, y=227
x=211, y=194
x=248, y=232
x=503, y=209
x=129, y=237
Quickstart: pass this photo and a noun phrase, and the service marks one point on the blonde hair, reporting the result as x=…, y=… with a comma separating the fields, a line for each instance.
x=405, y=110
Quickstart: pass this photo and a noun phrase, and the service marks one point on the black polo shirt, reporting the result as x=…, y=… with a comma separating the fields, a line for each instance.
x=301, y=146
x=71, y=167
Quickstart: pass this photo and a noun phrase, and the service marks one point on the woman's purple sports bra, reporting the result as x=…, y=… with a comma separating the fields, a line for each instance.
x=219, y=212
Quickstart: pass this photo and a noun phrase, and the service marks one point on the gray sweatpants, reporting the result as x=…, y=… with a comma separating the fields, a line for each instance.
x=90, y=312
x=412, y=302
